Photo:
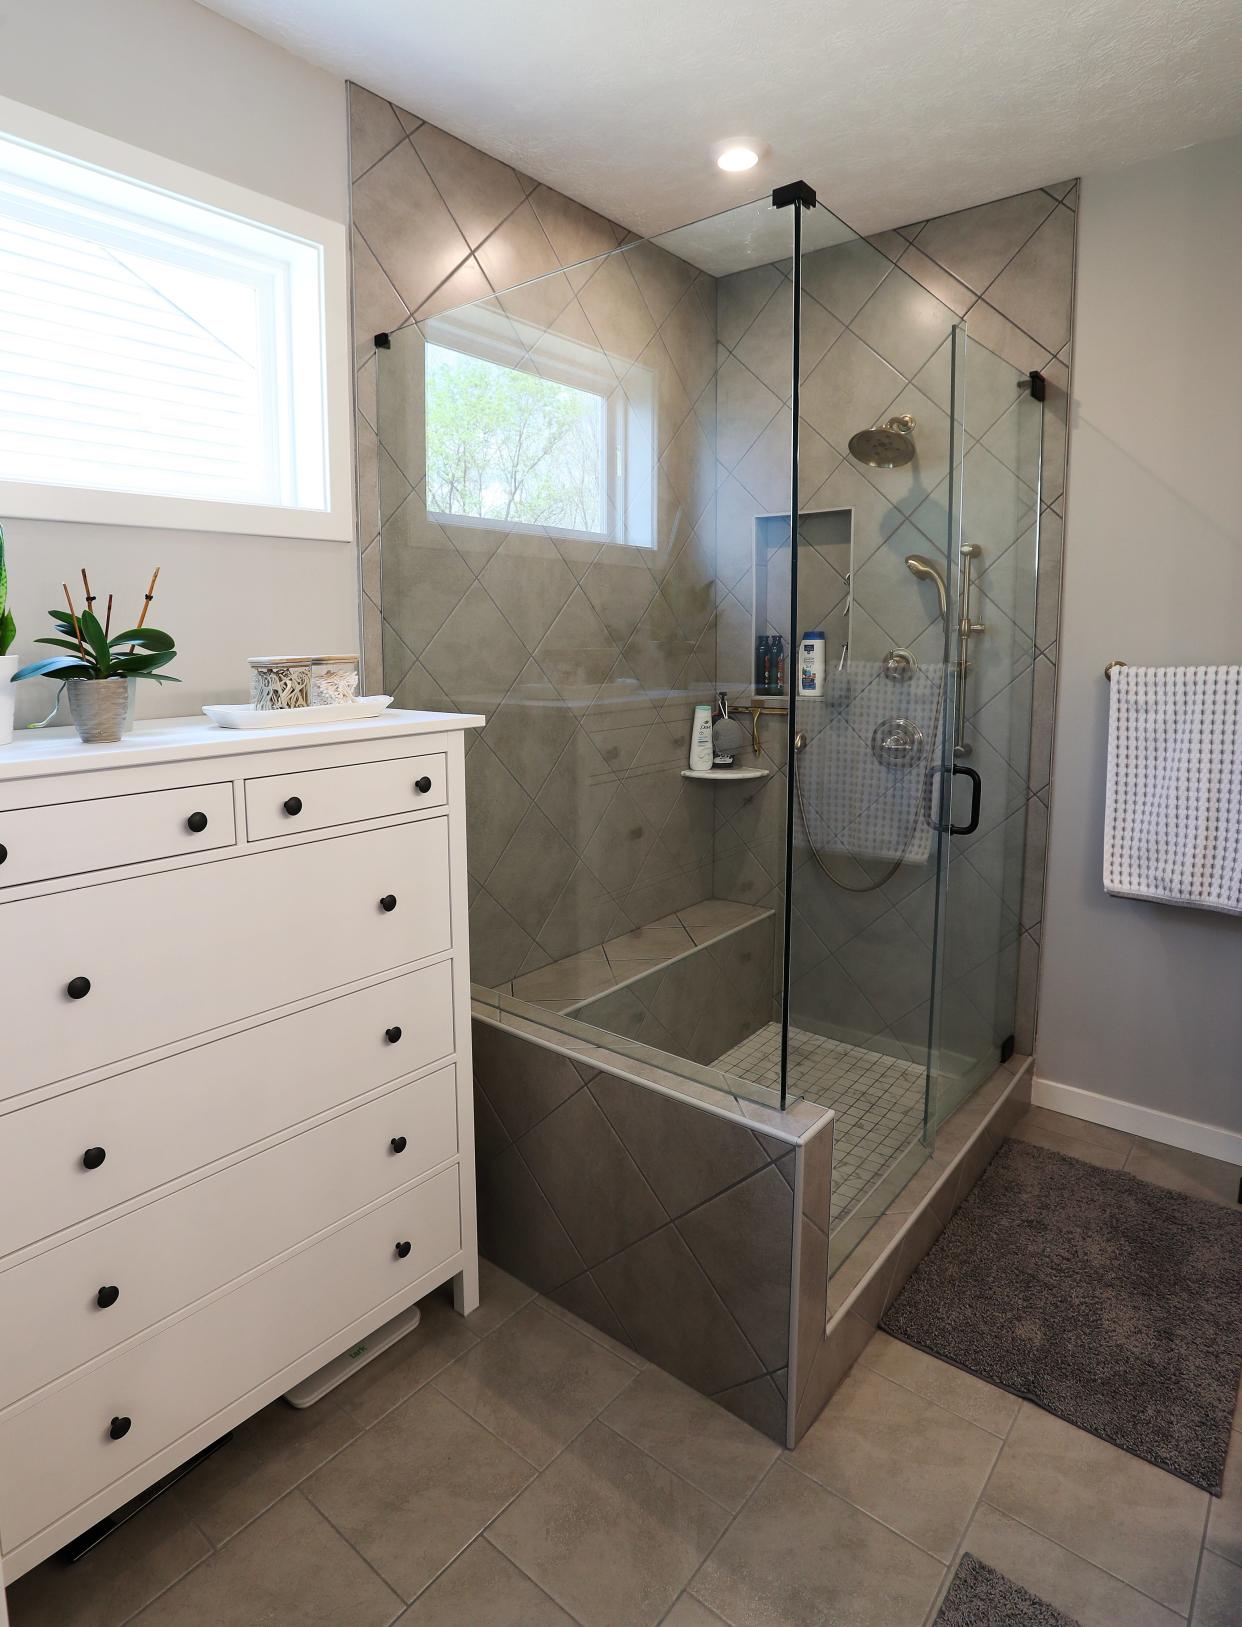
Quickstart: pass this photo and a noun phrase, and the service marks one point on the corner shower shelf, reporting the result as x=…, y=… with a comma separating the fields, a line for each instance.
x=725, y=774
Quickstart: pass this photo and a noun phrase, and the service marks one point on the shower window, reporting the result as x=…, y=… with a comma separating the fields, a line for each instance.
x=537, y=437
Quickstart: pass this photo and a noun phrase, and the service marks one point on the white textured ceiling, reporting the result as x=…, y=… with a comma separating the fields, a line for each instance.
x=893, y=111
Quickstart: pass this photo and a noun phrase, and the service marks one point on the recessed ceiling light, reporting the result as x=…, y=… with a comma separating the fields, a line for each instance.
x=736, y=158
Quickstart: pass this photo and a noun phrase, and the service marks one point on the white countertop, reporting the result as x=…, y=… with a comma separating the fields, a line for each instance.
x=181, y=739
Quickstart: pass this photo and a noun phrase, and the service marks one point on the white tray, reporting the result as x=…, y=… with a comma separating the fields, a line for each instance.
x=249, y=717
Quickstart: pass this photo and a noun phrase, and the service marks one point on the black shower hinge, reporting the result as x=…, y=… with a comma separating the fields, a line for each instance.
x=384, y=342
x=795, y=192
x=1039, y=386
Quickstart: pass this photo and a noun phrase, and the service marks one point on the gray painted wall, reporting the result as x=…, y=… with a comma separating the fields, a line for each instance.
x=1140, y=1001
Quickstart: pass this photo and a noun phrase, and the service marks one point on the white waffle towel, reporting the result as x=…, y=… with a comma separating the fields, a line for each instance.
x=1173, y=814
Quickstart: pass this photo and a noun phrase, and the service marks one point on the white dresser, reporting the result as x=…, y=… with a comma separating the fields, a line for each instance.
x=235, y=1090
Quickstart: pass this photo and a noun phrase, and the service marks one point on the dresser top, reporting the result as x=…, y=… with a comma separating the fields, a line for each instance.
x=182, y=739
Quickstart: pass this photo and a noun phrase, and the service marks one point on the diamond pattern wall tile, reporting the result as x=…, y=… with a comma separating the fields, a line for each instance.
x=378, y=307
x=1035, y=288
x=374, y=130
x=465, y=283
x=976, y=244
x=403, y=219
x=452, y=657
x=574, y=231
x=517, y=251
x=843, y=278
x=595, y=1188
x=528, y=877
x=689, y=334
x=479, y=191
x=742, y=1241
x=903, y=322
x=494, y=813
x=518, y=1229
x=848, y=390
x=521, y=1083
x=530, y=585
x=616, y=310
x=661, y=277
x=935, y=279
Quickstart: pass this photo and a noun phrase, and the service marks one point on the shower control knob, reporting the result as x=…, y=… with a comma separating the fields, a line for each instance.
x=107, y=1296
x=423, y=783
x=118, y=1428
x=403, y=1249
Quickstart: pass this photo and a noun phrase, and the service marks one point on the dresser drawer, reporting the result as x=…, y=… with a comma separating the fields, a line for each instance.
x=169, y=1118
x=77, y=1301
x=70, y=838
x=58, y=1451
x=283, y=804
x=159, y=958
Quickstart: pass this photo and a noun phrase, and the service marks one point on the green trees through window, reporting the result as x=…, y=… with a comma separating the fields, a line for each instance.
x=511, y=447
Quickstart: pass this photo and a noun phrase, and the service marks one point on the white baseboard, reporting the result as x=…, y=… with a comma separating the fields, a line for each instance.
x=1147, y=1122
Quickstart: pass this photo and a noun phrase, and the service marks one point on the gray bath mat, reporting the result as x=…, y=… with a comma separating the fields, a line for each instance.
x=982, y=1597
x=1101, y=1298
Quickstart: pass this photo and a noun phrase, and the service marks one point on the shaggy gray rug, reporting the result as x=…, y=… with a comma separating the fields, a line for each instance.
x=982, y=1597
x=1103, y=1299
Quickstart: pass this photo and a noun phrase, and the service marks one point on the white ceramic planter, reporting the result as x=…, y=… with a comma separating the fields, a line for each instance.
x=8, y=696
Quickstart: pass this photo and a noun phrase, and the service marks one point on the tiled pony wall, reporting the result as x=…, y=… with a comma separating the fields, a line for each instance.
x=588, y=659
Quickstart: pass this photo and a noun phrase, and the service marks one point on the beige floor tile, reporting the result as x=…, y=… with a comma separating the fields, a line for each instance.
x=907, y=1461
x=1064, y=1124
x=415, y=1489
x=948, y=1386
x=1224, y=1533
x=1114, y=1510
x=500, y=1297
x=1188, y=1172
x=796, y=1556
x=384, y=1383
x=693, y=1436
x=1088, y=1151
x=482, y=1589
x=268, y=1455
x=1082, y=1591
x=612, y=1535
x=1218, y=1597
x=536, y=1383
x=590, y=1332
x=108, y=1586
x=288, y=1566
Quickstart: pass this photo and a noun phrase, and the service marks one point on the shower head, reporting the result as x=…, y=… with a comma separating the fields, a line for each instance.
x=888, y=446
x=927, y=572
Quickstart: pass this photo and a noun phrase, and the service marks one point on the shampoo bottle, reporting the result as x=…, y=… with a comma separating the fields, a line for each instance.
x=701, y=739
x=812, y=662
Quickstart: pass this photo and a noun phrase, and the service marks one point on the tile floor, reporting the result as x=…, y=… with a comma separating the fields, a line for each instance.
x=878, y=1099
x=518, y=1470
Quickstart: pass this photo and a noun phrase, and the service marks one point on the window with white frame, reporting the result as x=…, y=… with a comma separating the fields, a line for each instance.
x=163, y=360
x=529, y=430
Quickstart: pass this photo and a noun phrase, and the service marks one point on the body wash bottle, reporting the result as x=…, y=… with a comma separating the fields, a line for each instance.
x=701, y=739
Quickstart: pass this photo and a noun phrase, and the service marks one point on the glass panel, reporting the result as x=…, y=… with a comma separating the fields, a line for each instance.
x=998, y=571
x=576, y=474
x=873, y=709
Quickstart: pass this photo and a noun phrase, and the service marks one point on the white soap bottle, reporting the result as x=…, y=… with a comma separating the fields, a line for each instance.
x=701, y=739
x=812, y=663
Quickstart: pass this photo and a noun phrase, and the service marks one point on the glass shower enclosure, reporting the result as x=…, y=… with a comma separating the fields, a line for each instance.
x=588, y=485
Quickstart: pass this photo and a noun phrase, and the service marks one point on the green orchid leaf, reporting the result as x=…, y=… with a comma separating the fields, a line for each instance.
x=93, y=634
x=135, y=665
x=149, y=637
x=62, y=644
x=57, y=663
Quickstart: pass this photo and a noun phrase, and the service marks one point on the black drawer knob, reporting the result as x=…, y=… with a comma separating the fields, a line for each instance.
x=4, y=853
x=398, y=1143
x=196, y=822
x=403, y=1249
x=293, y=805
x=107, y=1296
x=77, y=988
x=423, y=783
x=93, y=1157
x=389, y=902
x=392, y=1035
x=119, y=1427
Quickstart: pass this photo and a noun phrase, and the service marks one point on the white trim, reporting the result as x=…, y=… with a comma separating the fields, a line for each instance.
x=77, y=504
x=1188, y=1134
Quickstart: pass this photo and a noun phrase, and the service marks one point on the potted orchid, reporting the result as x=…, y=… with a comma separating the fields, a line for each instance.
x=98, y=668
